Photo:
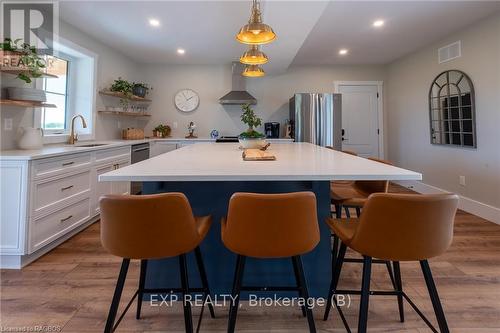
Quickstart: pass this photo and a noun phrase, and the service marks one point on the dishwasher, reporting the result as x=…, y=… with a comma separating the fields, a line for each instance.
x=140, y=152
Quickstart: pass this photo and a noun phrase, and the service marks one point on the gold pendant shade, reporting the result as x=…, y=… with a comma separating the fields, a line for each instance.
x=256, y=32
x=254, y=56
x=253, y=71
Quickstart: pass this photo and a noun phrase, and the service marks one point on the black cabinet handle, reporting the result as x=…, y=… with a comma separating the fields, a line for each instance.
x=67, y=218
x=66, y=188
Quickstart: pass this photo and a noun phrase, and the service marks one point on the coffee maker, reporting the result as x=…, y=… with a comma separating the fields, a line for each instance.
x=272, y=130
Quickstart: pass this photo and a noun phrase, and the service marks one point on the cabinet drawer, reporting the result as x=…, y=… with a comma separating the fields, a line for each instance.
x=48, y=193
x=52, y=166
x=111, y=154
x=52, y=226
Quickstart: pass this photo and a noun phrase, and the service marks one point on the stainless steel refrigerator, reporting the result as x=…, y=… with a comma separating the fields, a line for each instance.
x=317, y=118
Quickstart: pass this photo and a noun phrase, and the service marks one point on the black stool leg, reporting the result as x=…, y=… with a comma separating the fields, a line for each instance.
x=365, y=294
x=297, y=283
x=347, y=212
x=142, y=282
x=336, y=269
x=116, y=296
x=338, y=211
x=235, y=301
x=204, y=280
x=436, y=303
x=335, y=250
x=399, y=287
x=305, y=294
x=358, y=211
x=185, y=290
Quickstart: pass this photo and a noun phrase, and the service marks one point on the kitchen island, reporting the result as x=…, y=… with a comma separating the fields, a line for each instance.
x=210, y=173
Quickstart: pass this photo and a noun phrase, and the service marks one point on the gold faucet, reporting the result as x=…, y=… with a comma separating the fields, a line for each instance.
x=73, y=137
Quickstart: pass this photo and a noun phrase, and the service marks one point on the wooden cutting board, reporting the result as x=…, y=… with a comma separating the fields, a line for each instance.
x=257, y=155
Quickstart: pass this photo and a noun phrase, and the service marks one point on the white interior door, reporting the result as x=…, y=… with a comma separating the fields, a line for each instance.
x=360, y=119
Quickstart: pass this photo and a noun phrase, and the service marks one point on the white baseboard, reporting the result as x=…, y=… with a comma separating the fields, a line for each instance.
x=471, y=206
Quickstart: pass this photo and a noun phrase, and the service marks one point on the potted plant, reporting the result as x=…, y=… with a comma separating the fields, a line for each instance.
x=25, y=61
x=122, y=86
x=161, y=131
x=24, y=57
x=140, y=89
x=251, y=138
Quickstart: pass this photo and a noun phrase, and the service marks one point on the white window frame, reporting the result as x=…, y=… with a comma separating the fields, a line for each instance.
x=65, y=47
x=67, y=95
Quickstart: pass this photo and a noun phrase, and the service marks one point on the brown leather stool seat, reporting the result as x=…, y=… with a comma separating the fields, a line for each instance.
x=151, y=227
x=271, y=226
x=355, y=194
x=396, y=227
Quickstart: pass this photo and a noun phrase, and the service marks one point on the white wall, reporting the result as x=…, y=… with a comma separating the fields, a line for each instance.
x=212, y=82
x=111, y=64
x=407, y=115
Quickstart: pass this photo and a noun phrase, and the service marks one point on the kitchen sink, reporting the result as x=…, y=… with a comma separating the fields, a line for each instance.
x=92, y=145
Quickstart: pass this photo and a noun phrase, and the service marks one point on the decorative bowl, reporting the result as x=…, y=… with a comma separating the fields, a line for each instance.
x=252, y=143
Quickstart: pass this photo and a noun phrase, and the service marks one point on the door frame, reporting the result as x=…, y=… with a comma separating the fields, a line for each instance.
x=380, y=106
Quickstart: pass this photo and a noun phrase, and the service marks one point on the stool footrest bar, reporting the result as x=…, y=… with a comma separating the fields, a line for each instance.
x=270, y=288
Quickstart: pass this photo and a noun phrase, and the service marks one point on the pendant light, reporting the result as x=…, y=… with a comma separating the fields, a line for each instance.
x=253, y=71
x=254, y=56
x=256, y=32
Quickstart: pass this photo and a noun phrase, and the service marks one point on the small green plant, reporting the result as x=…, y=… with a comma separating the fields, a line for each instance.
x=163, y=130
x=28, y=58
x=249, y=118
x=122, y=86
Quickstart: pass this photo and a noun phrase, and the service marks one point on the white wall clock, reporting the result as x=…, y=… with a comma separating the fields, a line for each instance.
x=186, y=100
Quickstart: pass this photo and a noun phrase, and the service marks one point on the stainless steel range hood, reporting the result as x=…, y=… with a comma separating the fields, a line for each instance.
x=238, y=94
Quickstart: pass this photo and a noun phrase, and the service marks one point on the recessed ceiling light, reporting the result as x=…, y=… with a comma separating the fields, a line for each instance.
x=154, y=22
x=343, y=51
x=181, y=51
x=378, y=23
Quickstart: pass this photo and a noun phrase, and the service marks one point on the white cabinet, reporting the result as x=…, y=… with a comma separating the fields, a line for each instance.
x=106, y=161
x=121, y=187
x=159, y=147
x=46, y=201
x=13, y=206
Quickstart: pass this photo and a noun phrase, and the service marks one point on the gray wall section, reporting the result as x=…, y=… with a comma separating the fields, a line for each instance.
x=408, y=82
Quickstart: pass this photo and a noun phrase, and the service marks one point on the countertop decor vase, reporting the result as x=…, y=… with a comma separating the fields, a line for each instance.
x=252, y=143
x=32, y=138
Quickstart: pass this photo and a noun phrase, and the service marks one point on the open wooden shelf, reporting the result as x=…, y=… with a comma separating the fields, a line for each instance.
x=26, y=104
x=125, y=113
x=17, y=71
x=122, y=96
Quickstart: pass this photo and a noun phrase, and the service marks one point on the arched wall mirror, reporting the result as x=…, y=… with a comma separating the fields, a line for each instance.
x=452, y=110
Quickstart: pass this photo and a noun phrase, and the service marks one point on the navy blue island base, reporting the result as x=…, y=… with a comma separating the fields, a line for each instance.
x=212, y=198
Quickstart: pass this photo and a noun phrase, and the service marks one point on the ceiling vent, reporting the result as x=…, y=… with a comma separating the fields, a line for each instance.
x=450, y=52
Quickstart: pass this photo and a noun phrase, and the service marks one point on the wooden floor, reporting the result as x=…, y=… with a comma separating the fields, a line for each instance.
x=71, y=288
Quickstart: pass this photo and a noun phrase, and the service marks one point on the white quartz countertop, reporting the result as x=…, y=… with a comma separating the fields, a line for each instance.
x=64, y=149
x=223, y=162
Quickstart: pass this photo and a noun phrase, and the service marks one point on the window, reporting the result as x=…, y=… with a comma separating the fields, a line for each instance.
x=56, y=90
x=452, y=110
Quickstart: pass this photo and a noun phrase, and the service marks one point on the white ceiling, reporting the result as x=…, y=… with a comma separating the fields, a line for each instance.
x=409, y=25
x=309, y=32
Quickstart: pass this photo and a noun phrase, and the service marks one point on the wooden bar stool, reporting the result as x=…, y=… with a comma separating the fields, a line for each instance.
x=152, y=227
x=396, y=227
x=271, y=226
